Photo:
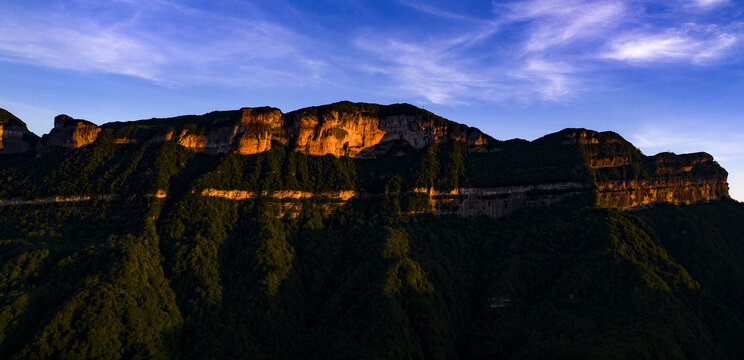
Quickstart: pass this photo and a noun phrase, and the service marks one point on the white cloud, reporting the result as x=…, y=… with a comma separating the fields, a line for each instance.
x=426, y=71
x=147, y=44
x=692, y=44
x=534, y=50
x=554, y=23
x=427, y=9
x=88, y=47
x=551, y=80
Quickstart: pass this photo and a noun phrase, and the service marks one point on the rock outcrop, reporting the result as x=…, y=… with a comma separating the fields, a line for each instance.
x=627, y=179
x=71, y=133
x=247, y=131
x=333, y=132
x=632, y=194
x=420, y=131
x=501, y=201
x=14, y=135
x=341, y=129
x=501, y=176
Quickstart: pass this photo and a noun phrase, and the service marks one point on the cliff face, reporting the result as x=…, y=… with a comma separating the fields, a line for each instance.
x=14, y=136
x=341, y=129
x=333, y=132
x=631, y=194
x=501, y=201
x=71, y=133
x=627, y=179
x=420, y=132
x=489, y=177
x=257, y=128
x=248, y=131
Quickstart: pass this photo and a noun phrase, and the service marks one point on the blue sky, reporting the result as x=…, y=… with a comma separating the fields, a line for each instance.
x=667, y=75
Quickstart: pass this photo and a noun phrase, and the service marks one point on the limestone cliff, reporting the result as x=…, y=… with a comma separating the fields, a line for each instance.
x=328, y=131
x=14, y=136
x=501, y=201
x=247, y=131
x=257, y=128
x=627, y=179
x=420, y=131
x=340, y=129
x=632, y=194
x=487, y=176
x=71, y=133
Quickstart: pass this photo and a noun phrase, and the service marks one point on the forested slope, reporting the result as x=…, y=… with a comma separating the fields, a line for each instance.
x=202, y=277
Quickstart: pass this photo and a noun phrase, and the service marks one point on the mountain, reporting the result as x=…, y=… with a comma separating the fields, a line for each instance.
x=356, y=230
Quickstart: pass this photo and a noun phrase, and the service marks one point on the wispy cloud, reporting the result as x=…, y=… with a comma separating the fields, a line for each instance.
x=551, y=80
x=552, y=51
x=693, y=44
x=144, y=44
x=707, y=4
x=553, y=23
x=533, y=50
x=426, y=71
x=87, y=47
x=431, y=10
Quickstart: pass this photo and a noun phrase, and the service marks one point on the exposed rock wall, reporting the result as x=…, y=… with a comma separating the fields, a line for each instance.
x=14, y=135
x=420, y=132
x=55, y=199
x=15, y=139
x=354, y=131
x=627, y=179
x=256, y=130
x=501, y=201
x=342, y=195
x=624, y=194
x=333, y=132
x=71, y=133
x=603, y=162
x=250, y=133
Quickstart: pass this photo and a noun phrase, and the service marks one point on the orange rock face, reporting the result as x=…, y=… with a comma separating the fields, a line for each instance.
x=420, y=132
x=251, y=133
x=339, y=134
x=256, y=130
x=639, y=193
x=197, y=142
x=353, y=132
x=72, y=133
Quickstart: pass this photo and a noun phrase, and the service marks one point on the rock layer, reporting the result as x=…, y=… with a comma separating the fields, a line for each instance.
x=501, y=201
x=631, y=194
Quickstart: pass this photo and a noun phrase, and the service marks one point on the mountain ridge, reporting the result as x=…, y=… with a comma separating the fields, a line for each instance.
x=487, y=176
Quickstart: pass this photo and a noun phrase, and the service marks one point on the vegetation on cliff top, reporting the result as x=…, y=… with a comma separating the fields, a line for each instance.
x=7, y=118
